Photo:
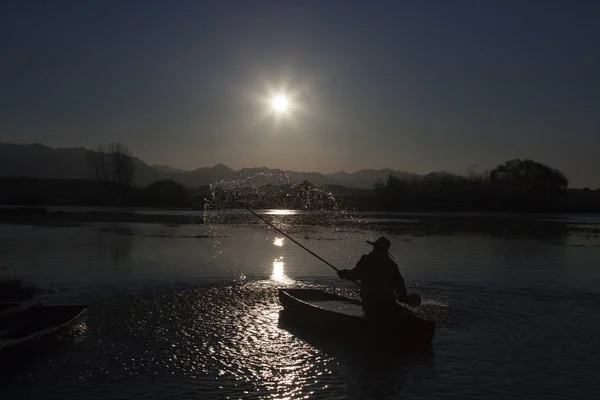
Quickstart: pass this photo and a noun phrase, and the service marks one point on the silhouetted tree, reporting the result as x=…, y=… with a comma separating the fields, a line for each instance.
x=514, y=185
x=528, y=176
x=393, y=193
x=100, y=162
x=113, y=167
x=529, y=185
x=121, y=162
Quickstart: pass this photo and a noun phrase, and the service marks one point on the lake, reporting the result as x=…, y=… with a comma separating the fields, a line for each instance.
x=190, y=310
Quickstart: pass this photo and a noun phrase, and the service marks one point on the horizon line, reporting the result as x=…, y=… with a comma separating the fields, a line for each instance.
x=154, y=165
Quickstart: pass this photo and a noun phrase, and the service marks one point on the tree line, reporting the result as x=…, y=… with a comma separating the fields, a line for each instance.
x=516, y=185
x=113, y=168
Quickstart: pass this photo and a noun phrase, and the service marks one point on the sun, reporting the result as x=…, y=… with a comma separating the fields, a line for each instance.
x=280, y=104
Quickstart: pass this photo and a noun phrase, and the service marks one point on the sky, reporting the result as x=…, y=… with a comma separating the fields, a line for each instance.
x=418, y=86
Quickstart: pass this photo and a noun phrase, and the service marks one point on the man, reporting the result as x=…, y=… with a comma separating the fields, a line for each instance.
x=382, y=285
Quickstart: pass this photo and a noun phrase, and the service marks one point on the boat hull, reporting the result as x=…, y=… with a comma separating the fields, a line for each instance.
x=26, y=334
x=307, y=308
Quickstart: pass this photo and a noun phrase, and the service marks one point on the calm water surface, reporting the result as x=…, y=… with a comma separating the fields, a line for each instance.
x=191, y=311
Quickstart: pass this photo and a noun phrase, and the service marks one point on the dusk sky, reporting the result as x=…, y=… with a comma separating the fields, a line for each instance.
x=413, y=85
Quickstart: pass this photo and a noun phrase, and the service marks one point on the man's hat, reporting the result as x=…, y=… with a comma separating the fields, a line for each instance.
x=381, y=243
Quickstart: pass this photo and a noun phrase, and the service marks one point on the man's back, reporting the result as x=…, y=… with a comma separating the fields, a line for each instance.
x=380, y=279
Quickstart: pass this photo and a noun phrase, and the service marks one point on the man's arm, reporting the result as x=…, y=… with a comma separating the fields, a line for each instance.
x=355, y=273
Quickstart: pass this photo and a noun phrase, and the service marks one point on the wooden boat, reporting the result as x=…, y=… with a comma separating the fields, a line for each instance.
x=9, y=308
x=25, y=332
x=5, y=306
x=341, y=317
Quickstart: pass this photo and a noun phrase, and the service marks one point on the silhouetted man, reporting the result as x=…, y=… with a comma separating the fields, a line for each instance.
x=381, y=282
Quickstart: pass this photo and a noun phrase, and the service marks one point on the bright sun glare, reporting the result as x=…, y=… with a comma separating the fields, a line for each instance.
x=280, y=103
x=278, y=274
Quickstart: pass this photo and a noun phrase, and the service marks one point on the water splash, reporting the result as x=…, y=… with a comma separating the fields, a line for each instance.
x=282, y=199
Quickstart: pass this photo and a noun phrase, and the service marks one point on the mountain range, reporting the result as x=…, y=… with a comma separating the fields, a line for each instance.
x=43, y=162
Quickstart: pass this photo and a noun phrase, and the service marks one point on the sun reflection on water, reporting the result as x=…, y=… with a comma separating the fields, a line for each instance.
x=281, y=212
x=269, y=358
x=278, y=274
x=278, y=242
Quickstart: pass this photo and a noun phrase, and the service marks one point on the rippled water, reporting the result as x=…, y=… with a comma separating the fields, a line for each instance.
x=191, y=311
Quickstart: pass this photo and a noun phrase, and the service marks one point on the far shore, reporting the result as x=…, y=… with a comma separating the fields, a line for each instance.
x=409, y=223
x=47, y=216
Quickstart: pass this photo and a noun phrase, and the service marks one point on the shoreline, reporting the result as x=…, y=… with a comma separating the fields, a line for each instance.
x=507, y=224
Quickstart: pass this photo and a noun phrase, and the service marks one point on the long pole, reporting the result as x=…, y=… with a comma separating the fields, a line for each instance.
x=289, y=237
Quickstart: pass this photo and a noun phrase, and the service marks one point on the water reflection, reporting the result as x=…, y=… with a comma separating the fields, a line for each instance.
x=222, y=339
x=219, y=342
x=278, y=275
x=118, y=239
x=267, y=360
x=278, y=242
x=281, y=212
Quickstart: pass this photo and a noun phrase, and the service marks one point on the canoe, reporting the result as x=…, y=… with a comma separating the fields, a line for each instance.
x=6, y=306
x=341, y=317
x=24, y=333
x=9, y=308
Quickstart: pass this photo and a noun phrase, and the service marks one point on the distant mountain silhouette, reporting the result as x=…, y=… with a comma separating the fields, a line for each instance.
x=43, y=162
x=167, y=169
x=202, y=176
x=365, y=178
x=39, y=161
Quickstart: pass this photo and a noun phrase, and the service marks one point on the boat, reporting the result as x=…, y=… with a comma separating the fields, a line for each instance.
x=6, y=306
x=9, y=308
x=24, y=333
x=341, y=317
